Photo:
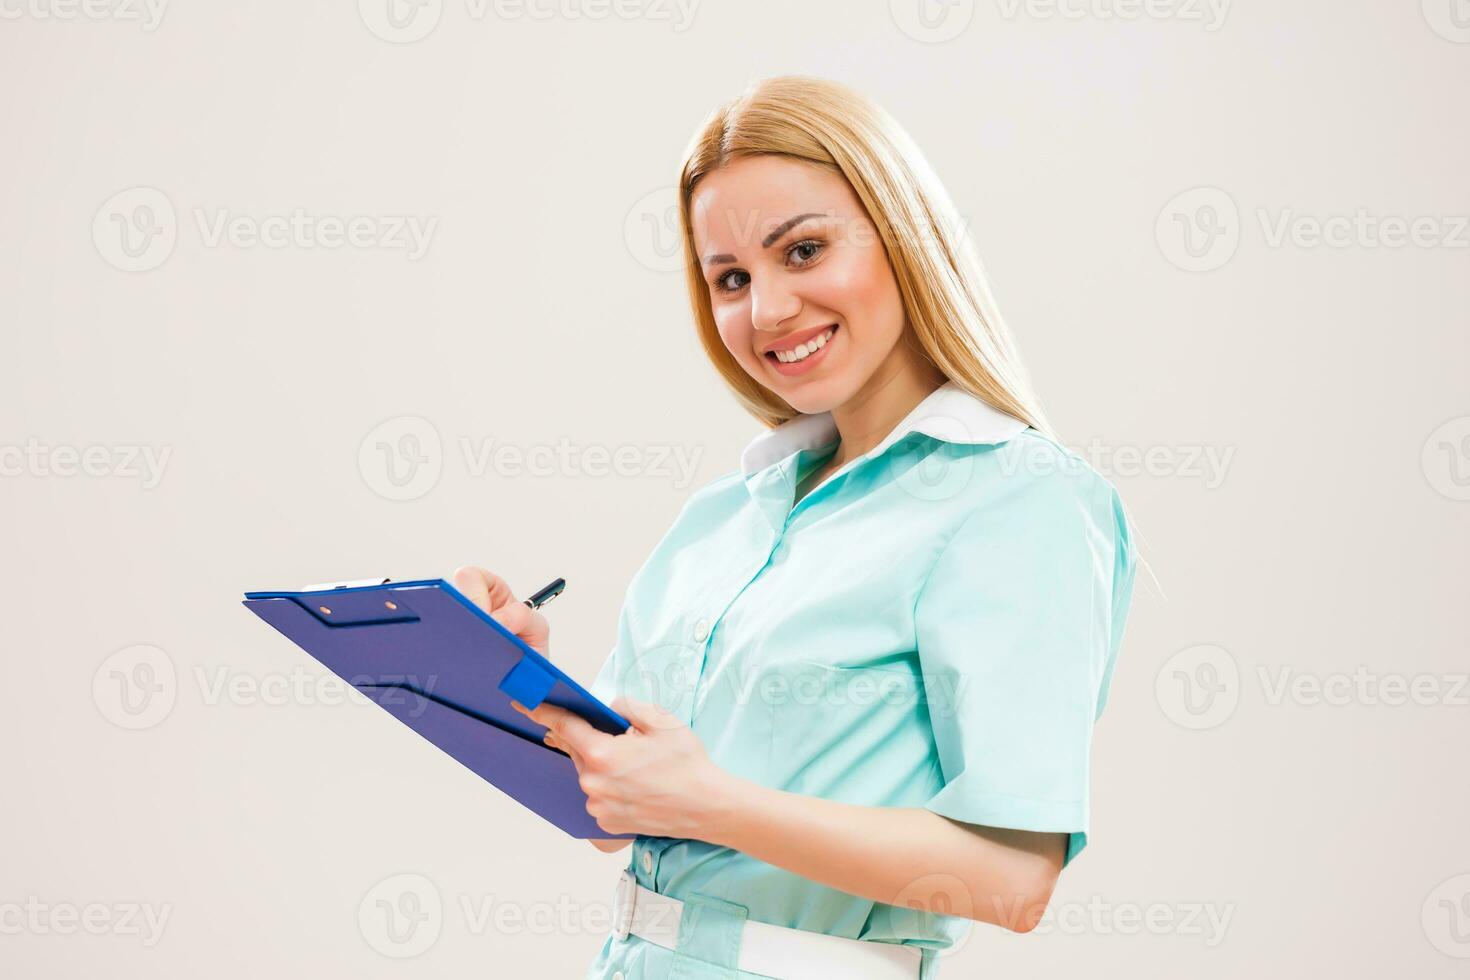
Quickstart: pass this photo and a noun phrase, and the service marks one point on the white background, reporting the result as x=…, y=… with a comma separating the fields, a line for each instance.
x=1327, y=831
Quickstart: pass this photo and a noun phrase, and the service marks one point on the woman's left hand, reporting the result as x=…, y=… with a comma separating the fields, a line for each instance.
x=655, y=779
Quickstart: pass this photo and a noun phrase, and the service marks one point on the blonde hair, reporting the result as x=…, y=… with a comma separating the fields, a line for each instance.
x=945, y=293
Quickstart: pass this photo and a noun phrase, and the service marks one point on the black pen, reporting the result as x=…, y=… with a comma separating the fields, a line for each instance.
x=543, y=596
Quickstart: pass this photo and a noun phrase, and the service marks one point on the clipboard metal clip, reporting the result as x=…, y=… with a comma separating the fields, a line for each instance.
x=353, y=584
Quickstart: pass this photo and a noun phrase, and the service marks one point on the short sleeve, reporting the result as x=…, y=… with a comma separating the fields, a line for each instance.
x=1020, y=621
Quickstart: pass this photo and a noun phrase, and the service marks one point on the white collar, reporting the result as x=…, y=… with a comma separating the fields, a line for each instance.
x=949, y=413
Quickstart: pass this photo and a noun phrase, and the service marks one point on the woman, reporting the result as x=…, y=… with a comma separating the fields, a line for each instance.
x=862, y=669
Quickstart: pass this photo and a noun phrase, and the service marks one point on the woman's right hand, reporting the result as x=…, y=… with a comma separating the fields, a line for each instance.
x=491, y=593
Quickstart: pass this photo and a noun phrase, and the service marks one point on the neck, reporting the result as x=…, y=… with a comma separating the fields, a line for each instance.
x=900, y=383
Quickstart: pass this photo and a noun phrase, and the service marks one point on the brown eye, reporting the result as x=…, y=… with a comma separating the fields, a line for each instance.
x=810, y=249
x=723, y=282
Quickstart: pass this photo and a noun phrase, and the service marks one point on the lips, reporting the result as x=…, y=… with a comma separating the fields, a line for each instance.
x=811, y=362
x=796, y=338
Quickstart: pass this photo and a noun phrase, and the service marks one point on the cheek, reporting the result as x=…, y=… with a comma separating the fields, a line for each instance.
x=734, y=329
x=863, y=289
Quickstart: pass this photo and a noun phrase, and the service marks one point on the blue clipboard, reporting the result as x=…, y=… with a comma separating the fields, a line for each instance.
x=442, y=666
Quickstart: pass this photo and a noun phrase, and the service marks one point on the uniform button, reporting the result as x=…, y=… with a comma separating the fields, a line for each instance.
x=619, y=976
x=647, y=862
x=701, y=630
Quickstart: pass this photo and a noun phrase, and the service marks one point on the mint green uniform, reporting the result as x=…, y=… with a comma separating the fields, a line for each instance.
x=935, y=625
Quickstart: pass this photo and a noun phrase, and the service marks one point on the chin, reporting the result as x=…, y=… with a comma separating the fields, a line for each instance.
x=813, y=397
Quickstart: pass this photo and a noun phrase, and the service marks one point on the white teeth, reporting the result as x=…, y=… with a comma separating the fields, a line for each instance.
x=801, y=351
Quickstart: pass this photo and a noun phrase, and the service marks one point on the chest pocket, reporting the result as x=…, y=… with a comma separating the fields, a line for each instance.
x=855, y=734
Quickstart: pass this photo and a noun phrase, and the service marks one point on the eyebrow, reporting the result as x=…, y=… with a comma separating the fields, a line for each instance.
x=770, y=239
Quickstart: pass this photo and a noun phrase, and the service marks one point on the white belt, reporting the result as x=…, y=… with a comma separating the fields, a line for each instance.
x=769, y=950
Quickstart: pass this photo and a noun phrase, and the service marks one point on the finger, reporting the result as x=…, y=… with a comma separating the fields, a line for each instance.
x=545, y=714
x=571, y=731
x=549, y=736
x=578, y=762
x=542, y=714
x=646, y=716
x=523, y=621
x=494, y=595
x=482, y=587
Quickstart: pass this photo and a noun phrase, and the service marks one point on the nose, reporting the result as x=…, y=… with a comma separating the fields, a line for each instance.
x=772, y=303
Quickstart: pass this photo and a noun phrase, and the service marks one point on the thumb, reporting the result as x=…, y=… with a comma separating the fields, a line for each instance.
x=533, y=628
x=646, y=716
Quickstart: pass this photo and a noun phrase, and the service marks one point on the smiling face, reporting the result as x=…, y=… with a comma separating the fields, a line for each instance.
x=793, y=266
